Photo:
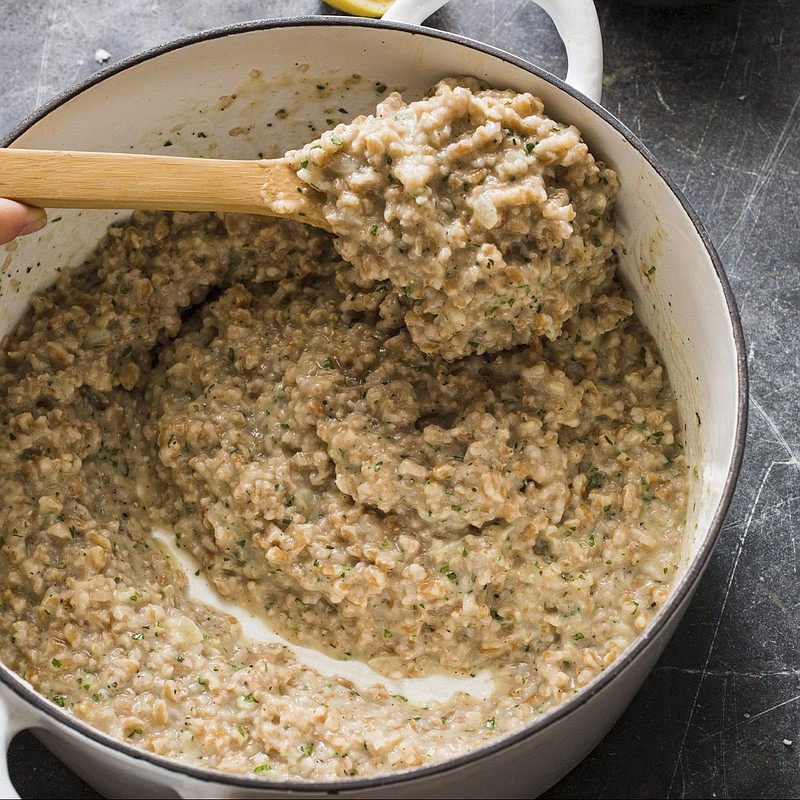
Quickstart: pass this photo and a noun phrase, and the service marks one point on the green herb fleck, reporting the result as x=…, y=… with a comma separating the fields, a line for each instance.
x=445, y=570
x=596, y=478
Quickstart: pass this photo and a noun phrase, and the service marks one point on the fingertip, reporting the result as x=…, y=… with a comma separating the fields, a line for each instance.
x=36, y=220
x=17, y=219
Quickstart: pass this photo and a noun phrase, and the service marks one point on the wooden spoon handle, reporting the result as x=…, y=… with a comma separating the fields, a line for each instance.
x=72, y=179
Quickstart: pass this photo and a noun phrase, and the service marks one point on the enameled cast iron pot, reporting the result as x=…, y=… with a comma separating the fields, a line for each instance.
x=669, y=267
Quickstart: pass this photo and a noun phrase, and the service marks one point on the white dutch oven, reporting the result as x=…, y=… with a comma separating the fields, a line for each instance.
x=669, y=266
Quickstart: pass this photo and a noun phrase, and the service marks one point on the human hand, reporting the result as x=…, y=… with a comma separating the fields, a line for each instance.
x=17, y=219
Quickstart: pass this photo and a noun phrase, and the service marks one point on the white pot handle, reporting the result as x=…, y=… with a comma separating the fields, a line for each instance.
x=575, y=20
x=10, y=725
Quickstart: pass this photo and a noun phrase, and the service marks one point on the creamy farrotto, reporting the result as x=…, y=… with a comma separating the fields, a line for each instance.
x=478, y=473
x=488, y=217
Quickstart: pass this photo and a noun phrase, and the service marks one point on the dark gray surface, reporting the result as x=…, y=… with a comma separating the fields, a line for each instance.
x=713, y=92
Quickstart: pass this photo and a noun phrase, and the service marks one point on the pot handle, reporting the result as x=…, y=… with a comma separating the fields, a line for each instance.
x=10, y=725
x=575, y=20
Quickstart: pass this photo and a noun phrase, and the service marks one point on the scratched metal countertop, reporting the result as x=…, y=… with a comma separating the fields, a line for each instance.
x=713, y=91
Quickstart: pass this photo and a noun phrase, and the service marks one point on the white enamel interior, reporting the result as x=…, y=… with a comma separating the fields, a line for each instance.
x=175, y=95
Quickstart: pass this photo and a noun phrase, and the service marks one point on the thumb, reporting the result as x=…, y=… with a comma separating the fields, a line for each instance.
x=17, y=219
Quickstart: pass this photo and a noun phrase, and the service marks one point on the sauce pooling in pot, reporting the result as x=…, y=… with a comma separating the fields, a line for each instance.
x=323, y=443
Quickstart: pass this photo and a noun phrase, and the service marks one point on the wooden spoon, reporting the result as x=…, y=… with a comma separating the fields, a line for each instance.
x=71, y=179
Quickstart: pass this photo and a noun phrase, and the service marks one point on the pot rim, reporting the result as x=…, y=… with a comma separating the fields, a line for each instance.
x=680, y=593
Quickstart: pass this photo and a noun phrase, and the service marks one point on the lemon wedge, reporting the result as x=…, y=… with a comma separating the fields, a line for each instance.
x=362, y=8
